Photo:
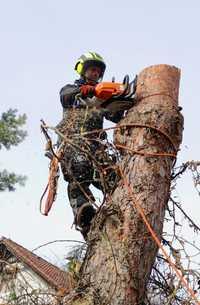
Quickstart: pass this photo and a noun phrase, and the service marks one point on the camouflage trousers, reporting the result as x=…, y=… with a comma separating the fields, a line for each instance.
x=86, y=164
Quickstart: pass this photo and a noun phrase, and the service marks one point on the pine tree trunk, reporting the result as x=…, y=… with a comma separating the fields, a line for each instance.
x=121, y=250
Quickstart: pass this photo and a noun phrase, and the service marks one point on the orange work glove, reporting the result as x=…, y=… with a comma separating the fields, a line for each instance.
x=87, y=90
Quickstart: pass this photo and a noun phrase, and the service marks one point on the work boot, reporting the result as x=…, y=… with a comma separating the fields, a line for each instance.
x=84, y=216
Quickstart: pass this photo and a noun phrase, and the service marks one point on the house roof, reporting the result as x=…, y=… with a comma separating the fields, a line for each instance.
x=55, y=277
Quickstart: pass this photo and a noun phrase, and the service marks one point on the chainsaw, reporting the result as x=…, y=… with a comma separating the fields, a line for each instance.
x=113, y=96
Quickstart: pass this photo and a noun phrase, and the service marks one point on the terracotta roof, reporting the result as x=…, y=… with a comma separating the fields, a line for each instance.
x=55, y=277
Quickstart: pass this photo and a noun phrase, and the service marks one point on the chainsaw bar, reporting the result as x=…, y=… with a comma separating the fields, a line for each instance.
x=124, y=100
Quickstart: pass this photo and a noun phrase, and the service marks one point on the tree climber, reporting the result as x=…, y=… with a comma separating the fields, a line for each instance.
x=87, y=161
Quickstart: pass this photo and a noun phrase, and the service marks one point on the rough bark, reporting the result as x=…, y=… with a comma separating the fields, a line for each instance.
x=121, y=250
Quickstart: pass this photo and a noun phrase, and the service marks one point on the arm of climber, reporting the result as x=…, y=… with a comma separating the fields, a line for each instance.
x=67, y=95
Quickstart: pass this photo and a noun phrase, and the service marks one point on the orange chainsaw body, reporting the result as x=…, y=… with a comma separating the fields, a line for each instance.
x=107, y=90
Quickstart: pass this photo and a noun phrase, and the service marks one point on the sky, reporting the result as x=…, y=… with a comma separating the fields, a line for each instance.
x=40, y=43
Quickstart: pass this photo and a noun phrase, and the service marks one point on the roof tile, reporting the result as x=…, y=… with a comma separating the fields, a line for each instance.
x=57, y=278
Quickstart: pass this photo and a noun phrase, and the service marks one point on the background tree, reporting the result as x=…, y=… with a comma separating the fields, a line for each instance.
x=11, y=134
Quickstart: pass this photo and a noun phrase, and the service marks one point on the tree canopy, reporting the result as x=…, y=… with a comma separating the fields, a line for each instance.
x=11, y=134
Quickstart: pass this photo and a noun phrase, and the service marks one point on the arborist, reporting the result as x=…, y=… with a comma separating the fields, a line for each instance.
x=88, y=161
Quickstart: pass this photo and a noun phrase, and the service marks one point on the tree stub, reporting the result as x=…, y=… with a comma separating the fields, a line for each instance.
x=121, y=250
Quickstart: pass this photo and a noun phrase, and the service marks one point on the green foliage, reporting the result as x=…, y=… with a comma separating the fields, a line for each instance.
x=11, y=134
x=10, y=128
x=8, y=180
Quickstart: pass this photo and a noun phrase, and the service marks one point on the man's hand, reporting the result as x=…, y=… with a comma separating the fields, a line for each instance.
x=87, y=90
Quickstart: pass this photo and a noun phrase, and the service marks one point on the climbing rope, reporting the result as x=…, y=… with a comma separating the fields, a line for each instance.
x=52, y=184
x=140, y=210
x=124, y=126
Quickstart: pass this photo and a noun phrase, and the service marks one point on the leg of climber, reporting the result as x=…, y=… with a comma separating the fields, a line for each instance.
x=81, y=199
x=78, y=172
x=105, y=176
x=106, y=179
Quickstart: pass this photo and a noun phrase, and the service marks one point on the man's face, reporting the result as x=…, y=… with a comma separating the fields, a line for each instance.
x=92, y=74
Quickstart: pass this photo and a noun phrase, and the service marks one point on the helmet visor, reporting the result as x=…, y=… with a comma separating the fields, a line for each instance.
x=94, y=63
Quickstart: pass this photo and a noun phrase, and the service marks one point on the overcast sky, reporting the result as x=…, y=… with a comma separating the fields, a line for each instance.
x=40, y=43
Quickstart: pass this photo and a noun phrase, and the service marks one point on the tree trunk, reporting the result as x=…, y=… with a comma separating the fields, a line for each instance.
x=121, y=250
